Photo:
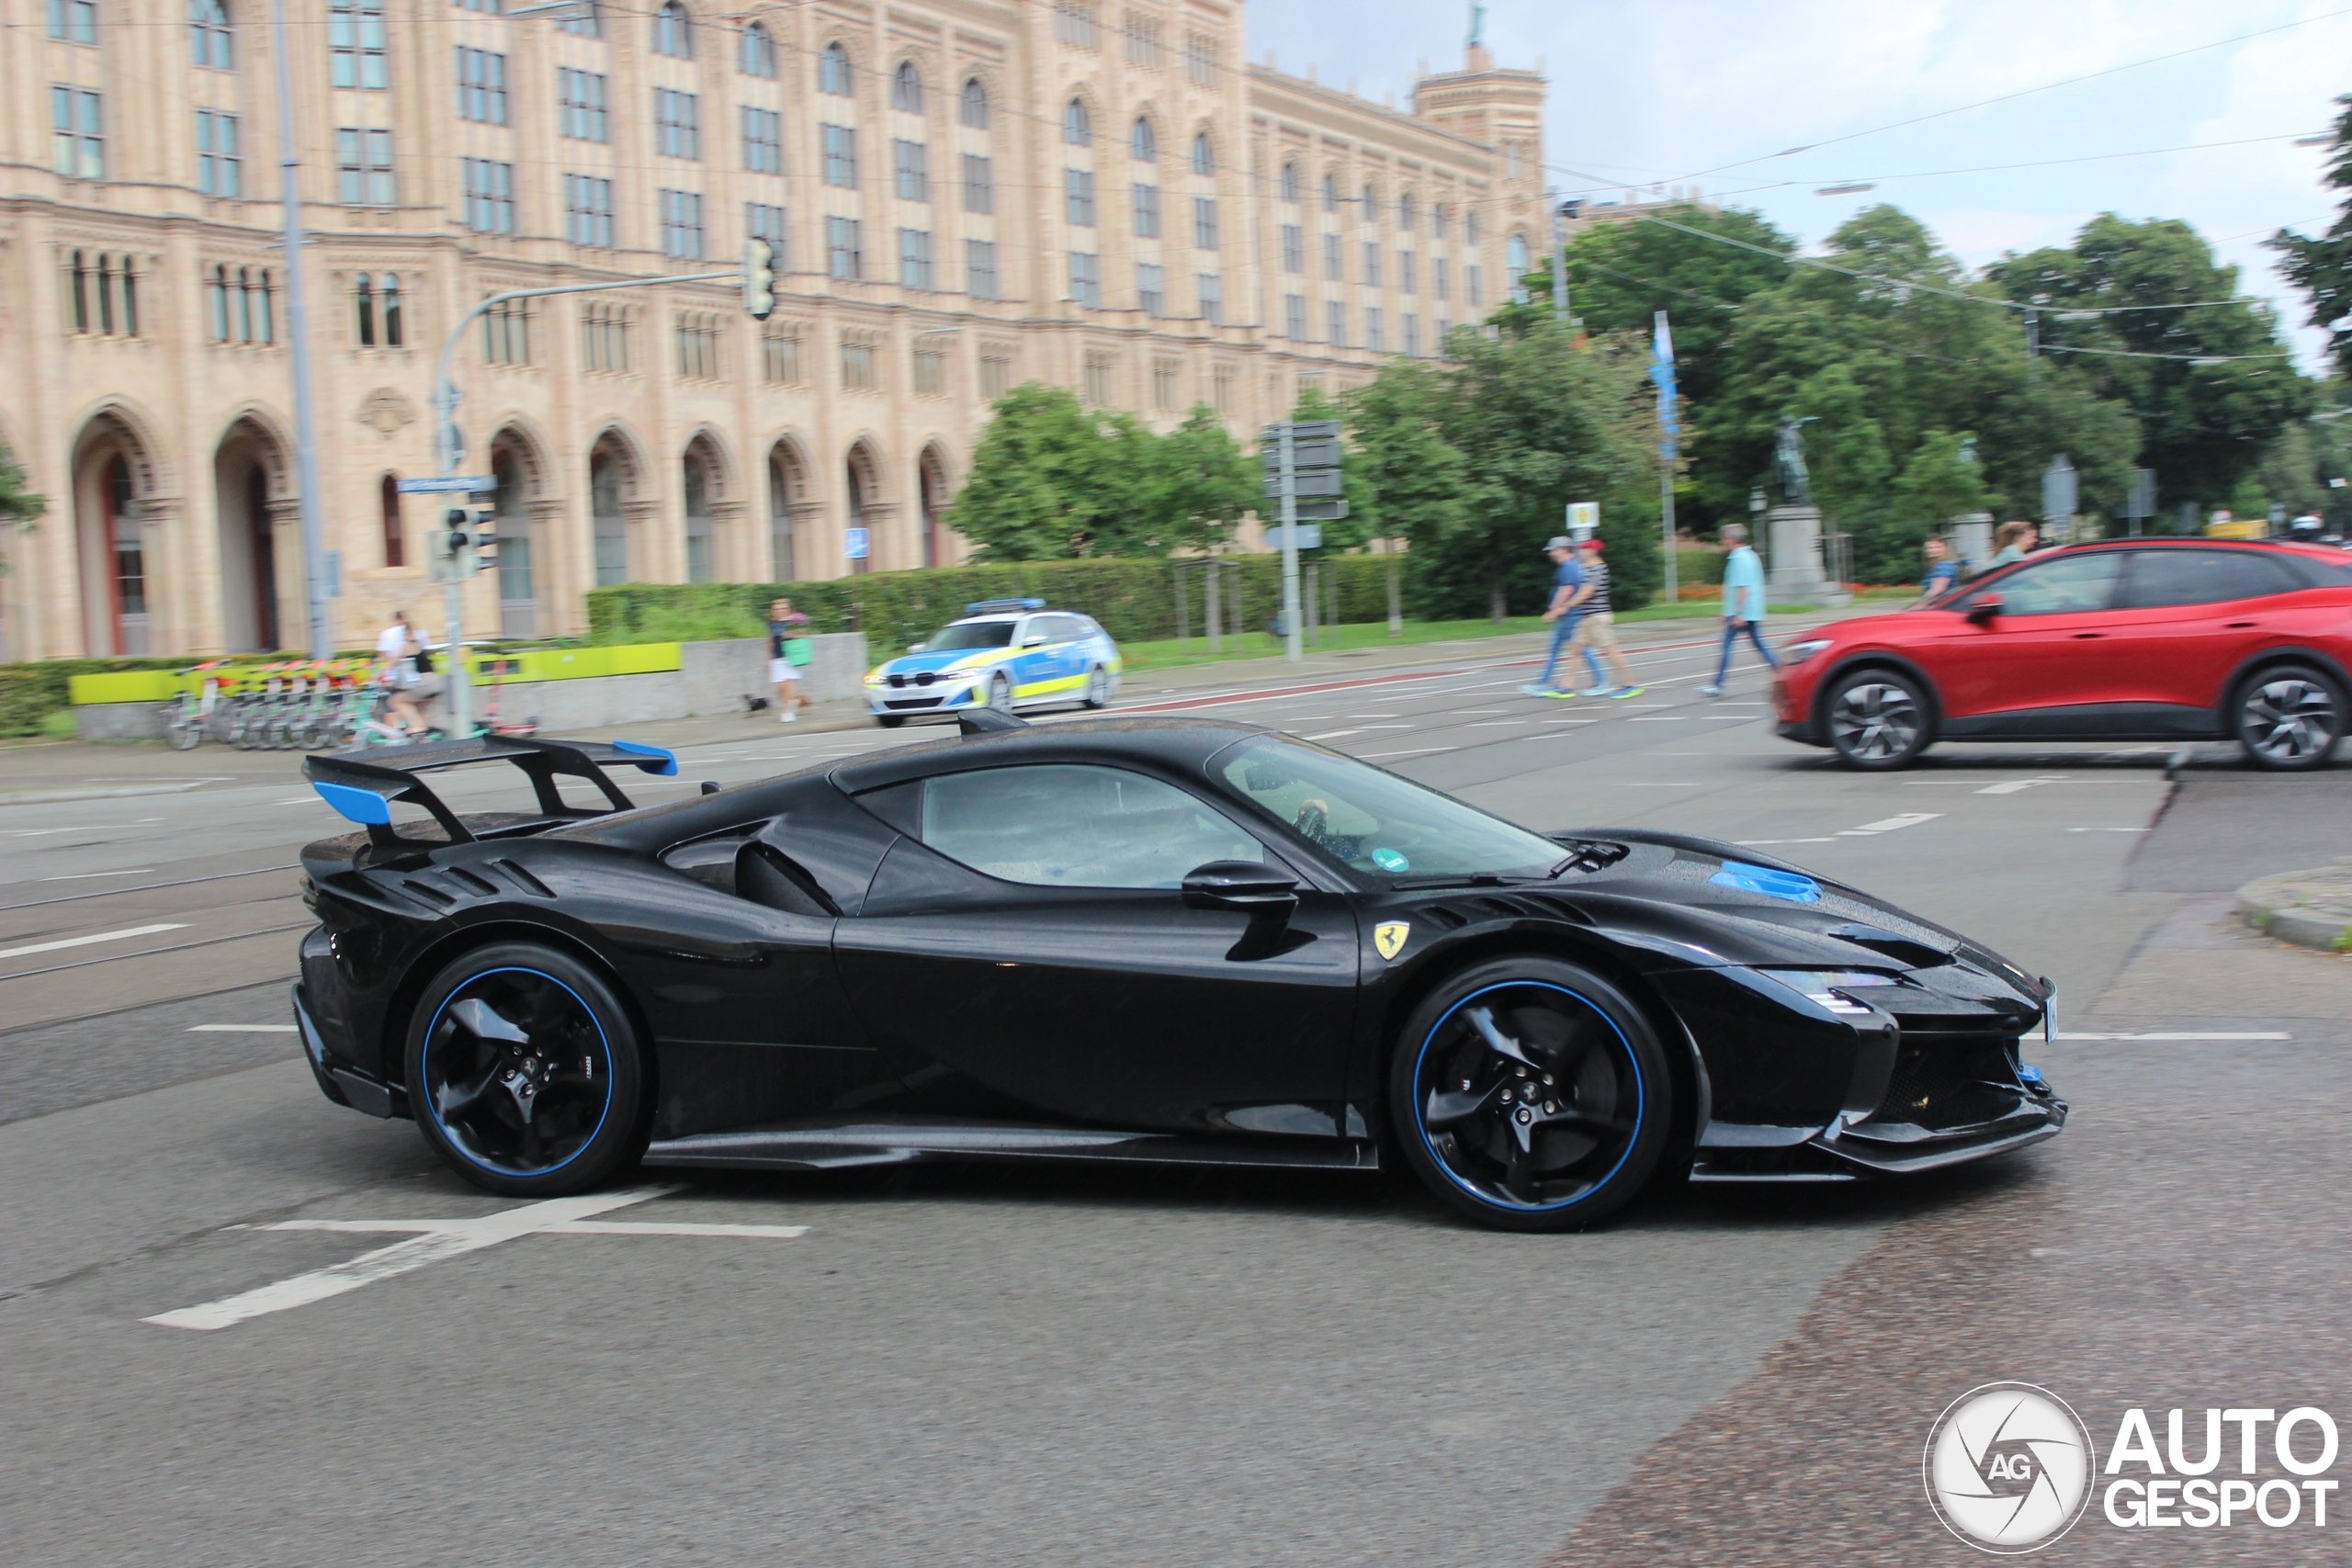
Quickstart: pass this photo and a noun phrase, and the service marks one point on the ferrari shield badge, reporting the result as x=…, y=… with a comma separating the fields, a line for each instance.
x=1389, y=936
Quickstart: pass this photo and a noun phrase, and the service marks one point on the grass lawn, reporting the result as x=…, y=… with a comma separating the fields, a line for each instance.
x=1167, y=654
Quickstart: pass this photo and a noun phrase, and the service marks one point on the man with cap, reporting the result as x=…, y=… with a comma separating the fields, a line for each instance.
x=1597, y=626
x=1568, y=586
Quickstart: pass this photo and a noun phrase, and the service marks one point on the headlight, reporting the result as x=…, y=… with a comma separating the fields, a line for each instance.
x=1798, y=652
x=875, y=677
x=1826, y=986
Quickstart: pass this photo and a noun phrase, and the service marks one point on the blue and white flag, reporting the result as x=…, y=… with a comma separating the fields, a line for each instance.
x=1662, y=372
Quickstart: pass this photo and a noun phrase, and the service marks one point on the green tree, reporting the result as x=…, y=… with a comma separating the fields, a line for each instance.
x=19, y=505
x=1198, y=485
x=2163, y=346
x=2322, y=268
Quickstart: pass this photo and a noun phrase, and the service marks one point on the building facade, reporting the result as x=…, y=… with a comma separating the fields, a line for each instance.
x=964, y=194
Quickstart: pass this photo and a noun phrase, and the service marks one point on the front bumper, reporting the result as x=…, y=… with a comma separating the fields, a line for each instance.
x=1791, y=712
x=915, y=698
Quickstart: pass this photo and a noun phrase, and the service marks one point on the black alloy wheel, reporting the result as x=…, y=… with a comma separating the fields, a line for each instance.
x=1531, y=1095
x=1098, y=688
x=524, y=1072
x=1001, y=692
x=2288, y=719
x=1876, y=719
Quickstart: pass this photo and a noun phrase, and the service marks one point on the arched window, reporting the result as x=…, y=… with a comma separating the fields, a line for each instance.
x=1436, y=221
x=1405, y=215
x=586, y=19
x=1078, y=129
x=832, y=70
x=1330, y=193
x=976, y=104
x=395, y=536
x=1142, y=145
x=389, y=302
x=906, y=88
x=759, y=52
x=1371, y=206
x=209, y=39
x=1290, y=184
x=362, y=299
x=699, y=528
x=1515, y=255
x=1470, y=224
x=1203, y=156
x=672, y=33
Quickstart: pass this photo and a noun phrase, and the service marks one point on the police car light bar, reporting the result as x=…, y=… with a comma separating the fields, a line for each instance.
x=983, y=606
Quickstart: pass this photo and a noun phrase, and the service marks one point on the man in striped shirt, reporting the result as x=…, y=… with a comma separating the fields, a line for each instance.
x=1596, y=626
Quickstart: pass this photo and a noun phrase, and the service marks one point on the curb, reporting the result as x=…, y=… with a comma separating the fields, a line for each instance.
x=42, y=796
x=2310, y=908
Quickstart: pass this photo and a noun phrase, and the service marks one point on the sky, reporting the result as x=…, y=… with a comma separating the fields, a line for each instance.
x=1710, y=93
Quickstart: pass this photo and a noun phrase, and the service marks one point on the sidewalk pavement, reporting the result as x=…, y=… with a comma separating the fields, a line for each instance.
x=41, y=771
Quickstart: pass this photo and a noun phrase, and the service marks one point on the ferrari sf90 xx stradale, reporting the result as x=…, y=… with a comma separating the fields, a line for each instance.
x=1145, y=940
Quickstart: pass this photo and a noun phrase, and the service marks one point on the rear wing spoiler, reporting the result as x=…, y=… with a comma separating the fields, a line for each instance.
x=362, y=785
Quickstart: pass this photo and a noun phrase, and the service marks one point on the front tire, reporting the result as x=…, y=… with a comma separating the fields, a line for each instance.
x=1098, y=688
x=2288, y=719
x=524, y=1072
x=1001, y=692
x=1530, y=1094
x=890, y=720
x=1876, y=720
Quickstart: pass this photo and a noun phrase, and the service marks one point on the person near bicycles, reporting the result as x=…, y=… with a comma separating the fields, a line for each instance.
x=406, y=660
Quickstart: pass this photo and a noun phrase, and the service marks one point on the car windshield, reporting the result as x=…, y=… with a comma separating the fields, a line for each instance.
x=971, y=633
x=1387, y=828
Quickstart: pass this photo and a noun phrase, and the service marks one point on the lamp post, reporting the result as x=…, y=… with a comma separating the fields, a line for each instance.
x=298, y=331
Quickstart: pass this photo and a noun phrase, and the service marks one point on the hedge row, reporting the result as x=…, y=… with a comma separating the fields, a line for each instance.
x=1136, y=601
x=30, y=693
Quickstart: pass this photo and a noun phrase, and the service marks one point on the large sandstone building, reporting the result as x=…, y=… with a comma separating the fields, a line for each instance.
x=965, y=194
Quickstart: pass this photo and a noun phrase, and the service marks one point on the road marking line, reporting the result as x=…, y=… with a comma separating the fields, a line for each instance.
x=1414, y=751
x=438, y=1239
x=2014, y=786
x=1889, y=824
x=241, y=1029
x=1496, y=723
x=87, y=876
x=2258, y=1035
x=124, y=935
x=1333, y=734
x=1659, y=718
x=2110, y=830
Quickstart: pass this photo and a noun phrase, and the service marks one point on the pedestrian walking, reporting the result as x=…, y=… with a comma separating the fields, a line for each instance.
x=1597, y=626
x=1743, y=605
x=2016, y=540
x=1942, y=574
x=788, y=649
x=1568, y=588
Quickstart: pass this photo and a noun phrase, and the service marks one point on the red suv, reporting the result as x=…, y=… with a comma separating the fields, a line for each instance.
x=2187, y=639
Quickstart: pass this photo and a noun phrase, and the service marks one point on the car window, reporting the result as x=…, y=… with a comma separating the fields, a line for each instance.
x=1075, y=825
x=973, y=634
x=1378, y=824
x=2162, y=578
x=2066, y=585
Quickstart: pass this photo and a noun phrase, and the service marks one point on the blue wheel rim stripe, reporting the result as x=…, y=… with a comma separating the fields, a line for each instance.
x=425, y=1064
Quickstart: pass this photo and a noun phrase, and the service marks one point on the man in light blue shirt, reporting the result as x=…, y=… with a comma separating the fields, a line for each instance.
x=1743, y=605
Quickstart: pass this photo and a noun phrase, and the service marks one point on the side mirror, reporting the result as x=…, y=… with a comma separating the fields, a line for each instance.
x=916, y=647
x=1250, y=887
x=1982, y=611
x=1032, y=642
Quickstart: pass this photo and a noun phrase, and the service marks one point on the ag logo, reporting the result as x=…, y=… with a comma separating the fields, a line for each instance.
x=2008, y=1467
x=1389, y=936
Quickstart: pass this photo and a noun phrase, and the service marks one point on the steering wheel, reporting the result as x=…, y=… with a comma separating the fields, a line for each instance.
x=1314, y=821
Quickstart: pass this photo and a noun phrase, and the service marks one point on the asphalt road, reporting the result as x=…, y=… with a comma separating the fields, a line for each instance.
x=1135, y=1367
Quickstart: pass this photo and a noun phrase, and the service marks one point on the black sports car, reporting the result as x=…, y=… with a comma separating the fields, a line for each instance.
x=1159, y=939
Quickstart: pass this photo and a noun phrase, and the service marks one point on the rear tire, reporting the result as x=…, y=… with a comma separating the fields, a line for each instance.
x=1530, y=1094
x=2288, y=718
x=1098, y=688
x=1876, y=719
x=524, y=1072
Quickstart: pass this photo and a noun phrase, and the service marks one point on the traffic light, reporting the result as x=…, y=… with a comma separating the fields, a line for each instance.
x=485, y=535
x=453, y=543
x=759, y=278
x=472, y=529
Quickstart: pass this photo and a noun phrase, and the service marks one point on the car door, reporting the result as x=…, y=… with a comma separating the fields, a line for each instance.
x=1027, y=947
x=2189, y=616
x=2049, y=648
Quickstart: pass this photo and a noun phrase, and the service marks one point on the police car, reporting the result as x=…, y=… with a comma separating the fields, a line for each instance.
x=1006, y=654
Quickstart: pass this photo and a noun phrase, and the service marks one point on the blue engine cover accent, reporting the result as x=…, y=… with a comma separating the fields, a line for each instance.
x=1765, y=880
x=364, y=806
x=658, y=760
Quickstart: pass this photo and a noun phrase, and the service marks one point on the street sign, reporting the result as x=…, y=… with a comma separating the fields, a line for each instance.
x=1309, y=481
x=1584, y=516
x=1310, y=537
x=448, y=484
x=1319, y=512
x=855, y=543
x=1306, y=430
x=1304, y=454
